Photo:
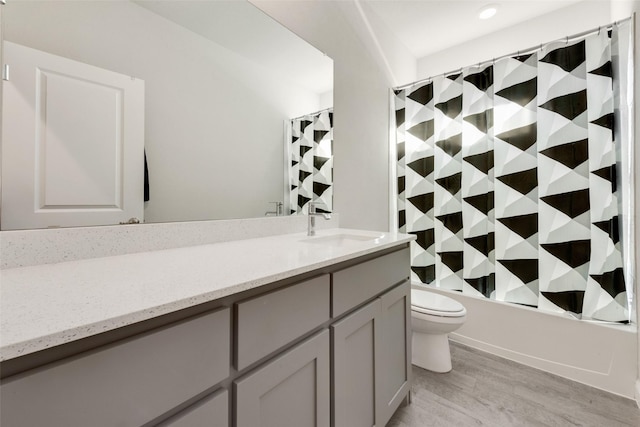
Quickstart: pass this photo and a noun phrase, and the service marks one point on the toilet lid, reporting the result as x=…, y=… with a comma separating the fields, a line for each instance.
x=433, y=303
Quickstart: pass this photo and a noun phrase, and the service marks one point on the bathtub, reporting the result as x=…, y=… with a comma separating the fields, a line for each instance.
x=598, y=354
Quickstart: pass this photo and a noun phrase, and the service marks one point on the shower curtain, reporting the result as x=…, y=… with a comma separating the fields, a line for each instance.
x=310, y=162
x=507, y=173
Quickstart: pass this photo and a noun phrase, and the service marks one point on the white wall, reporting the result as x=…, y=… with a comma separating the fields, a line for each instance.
x=391, y=55
x=620, y=9
x=214, y=120
x=326, y=100
x=361, y=107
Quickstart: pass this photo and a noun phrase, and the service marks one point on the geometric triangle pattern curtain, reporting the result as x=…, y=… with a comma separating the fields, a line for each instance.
x=507, y=177
x=311, y=162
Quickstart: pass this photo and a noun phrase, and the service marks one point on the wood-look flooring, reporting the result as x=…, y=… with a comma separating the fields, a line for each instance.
x=487, y=390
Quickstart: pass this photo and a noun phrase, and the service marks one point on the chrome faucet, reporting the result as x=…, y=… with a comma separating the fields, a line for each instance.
x=277, y=209
x=311, y=229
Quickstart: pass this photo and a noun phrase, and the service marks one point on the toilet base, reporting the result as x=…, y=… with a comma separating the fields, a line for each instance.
x=431, y=352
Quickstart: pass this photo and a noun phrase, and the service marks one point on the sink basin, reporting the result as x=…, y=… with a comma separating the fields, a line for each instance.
x=340, y=239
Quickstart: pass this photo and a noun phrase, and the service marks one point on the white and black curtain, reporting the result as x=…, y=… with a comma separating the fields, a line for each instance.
x=310, y=155
x=507, y=175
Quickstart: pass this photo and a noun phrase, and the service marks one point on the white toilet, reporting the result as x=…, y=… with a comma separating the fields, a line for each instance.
x=433, y=316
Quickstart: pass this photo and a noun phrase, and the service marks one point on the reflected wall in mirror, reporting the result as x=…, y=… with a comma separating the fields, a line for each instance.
x=220, y=80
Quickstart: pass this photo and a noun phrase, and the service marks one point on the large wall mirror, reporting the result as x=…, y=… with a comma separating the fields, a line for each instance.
x=194, y=94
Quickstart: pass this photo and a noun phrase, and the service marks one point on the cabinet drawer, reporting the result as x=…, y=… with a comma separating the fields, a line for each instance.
x=212, y=411
x=270, y=321
x=128, y=383
x=354, y=285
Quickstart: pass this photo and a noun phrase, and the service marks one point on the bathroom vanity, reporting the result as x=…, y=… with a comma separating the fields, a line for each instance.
x=278, y=331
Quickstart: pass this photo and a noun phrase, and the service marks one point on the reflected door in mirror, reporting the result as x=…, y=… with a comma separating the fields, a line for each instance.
x=73, y=143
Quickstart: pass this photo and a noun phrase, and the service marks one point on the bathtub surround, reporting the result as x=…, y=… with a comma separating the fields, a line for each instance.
x=309, y=149
x=507, y=175
x=599, y=354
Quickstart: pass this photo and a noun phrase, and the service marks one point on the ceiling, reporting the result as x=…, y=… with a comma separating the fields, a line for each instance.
x=423, y=26
x=446, y=23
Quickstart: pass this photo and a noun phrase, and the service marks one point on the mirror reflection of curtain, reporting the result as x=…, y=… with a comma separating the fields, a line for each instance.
x=507, y=175
x=310, y=152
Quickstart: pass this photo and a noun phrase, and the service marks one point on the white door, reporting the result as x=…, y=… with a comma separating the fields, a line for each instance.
x=72, y=143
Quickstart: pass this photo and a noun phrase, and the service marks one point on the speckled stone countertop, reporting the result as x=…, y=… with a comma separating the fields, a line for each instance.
x=47, y=305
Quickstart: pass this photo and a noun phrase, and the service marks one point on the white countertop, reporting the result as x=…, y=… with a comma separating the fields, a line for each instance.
x=47, y=305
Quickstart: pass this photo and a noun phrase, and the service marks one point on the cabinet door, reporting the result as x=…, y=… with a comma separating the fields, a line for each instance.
x=291, y=390
x=356, y=339
x=395, y=355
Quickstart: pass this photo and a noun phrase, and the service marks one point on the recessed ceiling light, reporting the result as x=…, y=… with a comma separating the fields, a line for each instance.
x=488, y=11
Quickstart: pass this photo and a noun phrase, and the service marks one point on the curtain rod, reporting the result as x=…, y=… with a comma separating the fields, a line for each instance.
x=330, y=109
x=520, y=52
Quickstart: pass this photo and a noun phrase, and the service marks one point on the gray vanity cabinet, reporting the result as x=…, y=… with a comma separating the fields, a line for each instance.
x=276, y=319
x=356, y=341
x=290, y=390
x=211, y=411
x=355, y=285
x=330, y=348
x=372, y=345
x=395, y=354
x=127, y=383
x=371, y=364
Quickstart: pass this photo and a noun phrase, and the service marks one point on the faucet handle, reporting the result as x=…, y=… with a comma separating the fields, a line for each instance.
x=277, y=208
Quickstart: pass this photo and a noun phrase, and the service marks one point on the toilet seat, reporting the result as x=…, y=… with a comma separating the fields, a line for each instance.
x=434, y=304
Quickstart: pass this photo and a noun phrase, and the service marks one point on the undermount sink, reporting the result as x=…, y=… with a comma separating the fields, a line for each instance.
x=340, y=239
